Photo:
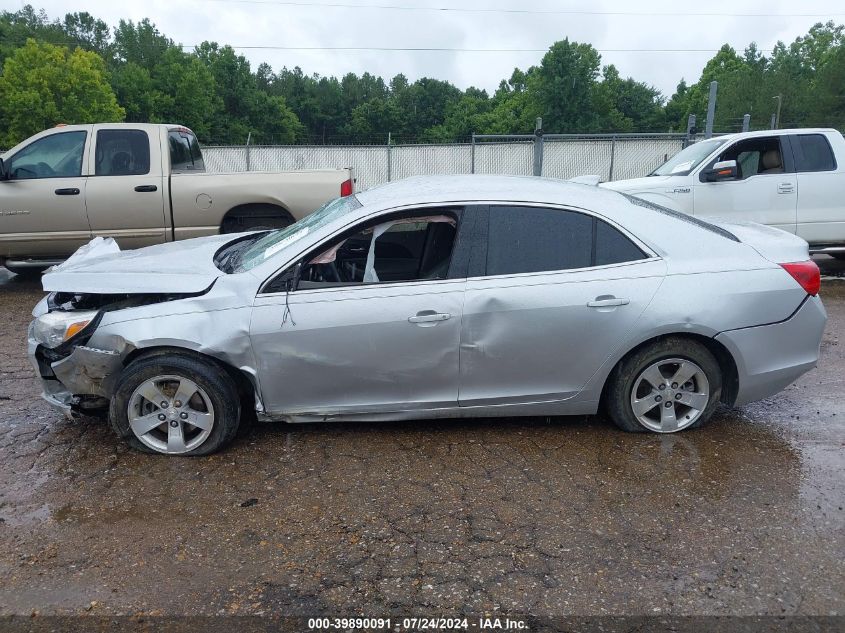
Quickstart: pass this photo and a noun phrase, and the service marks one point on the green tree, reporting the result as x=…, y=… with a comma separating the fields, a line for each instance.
x=185, y=92
x=43, y=85
x=244, y=108
x=828, y=107
x=564, y=88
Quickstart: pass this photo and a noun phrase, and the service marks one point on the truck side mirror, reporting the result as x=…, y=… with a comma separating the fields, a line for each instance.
x=723, y=170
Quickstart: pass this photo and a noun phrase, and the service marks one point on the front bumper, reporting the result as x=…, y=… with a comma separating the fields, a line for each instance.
x=53, y=392
x=771, y=357
x=84, y=372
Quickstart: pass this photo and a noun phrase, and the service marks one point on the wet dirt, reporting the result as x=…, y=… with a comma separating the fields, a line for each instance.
x=561, y=516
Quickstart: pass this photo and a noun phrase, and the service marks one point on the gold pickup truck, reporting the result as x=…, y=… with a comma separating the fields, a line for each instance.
x=141, y=184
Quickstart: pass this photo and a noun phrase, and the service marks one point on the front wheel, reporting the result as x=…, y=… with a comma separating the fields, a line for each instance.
x=175, y=404
x=671, y=385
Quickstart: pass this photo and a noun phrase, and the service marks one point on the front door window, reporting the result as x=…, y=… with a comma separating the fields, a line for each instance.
x=54, y=156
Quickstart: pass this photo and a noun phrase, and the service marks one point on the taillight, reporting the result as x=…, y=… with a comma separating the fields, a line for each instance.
x=346, y=188
x=806, y=274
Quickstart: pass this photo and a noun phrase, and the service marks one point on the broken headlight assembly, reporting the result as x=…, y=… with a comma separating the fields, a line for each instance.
x=55, y=328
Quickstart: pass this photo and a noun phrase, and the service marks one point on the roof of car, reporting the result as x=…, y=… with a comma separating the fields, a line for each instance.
x=488, y=188
x=784, y=132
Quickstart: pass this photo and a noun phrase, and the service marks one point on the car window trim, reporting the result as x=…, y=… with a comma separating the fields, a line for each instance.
x=565, y=271
x=362, y=286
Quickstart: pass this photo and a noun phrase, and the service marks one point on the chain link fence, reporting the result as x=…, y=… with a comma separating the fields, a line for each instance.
x=612, y=157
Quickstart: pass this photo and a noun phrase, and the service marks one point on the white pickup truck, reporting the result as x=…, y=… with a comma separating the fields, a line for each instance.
x=790, y=179
x=141, y=184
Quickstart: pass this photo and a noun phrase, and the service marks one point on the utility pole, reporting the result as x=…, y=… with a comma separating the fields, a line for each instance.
x=777, y=115
x=746, y=123
x=711, y=109
x=538, y=147
x=691, y=131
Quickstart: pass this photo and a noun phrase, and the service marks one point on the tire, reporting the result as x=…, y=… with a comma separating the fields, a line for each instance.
x=693, y=402
x=256, y=218
x=216, y=395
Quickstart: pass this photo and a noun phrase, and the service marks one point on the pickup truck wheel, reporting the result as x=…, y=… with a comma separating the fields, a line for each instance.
x=175, y=405
x=259, y=217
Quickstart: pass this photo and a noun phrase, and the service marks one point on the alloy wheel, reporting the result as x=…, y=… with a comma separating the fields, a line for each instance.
x=670, y=395
x=171, y=414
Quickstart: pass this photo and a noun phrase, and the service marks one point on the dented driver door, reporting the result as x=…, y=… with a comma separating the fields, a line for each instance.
x=359, y=349
x=374, y=324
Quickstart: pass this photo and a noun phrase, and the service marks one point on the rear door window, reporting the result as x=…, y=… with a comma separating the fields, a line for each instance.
x=812, y=153
x=530, y=239
x=122, y=153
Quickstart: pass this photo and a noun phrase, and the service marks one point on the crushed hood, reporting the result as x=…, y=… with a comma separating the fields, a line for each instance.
x=185, y=266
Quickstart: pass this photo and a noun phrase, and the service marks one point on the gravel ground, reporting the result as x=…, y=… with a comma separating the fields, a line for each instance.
x=550, y=517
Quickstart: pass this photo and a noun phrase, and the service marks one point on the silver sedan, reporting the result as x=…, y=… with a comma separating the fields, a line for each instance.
x=429, y=298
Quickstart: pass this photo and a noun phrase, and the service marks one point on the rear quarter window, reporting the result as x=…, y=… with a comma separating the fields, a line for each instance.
x=185, y=154
x=812, y=153
x=612, y=247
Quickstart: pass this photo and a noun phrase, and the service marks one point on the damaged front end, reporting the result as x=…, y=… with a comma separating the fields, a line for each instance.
x=76, y=377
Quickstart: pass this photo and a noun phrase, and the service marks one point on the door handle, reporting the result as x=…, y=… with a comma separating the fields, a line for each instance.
x=146, y=188
x=68, y=191
x=607, y=302
x=429, y=316
x=786, y=187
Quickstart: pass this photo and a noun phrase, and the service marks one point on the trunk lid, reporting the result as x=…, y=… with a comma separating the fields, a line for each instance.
x=774, y=244
x=185, y=266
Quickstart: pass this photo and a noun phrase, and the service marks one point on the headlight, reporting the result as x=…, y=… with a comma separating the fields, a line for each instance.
x=54, y=328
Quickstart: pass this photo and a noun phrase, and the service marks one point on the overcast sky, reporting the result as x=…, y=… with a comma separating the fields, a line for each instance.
x=269, y=23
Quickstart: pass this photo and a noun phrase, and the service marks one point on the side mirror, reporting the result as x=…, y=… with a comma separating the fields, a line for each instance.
x=723, y=170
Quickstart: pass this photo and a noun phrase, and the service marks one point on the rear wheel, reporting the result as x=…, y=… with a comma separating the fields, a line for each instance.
x=176, y=405
x=671, y=385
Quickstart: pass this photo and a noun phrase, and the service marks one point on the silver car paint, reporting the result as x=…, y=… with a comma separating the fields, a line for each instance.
x=352, y=354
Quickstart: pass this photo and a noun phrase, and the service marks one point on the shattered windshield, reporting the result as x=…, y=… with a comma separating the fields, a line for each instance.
x=687, y=159
x=266, y=245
